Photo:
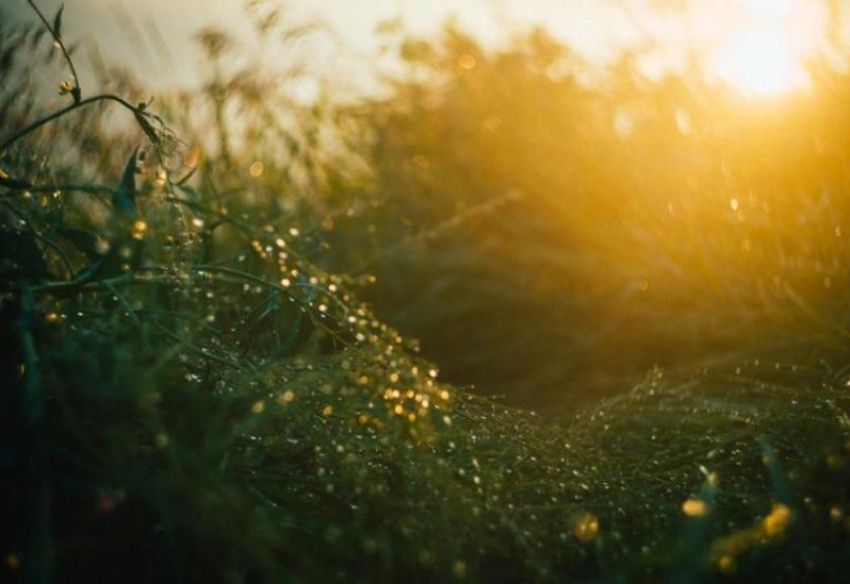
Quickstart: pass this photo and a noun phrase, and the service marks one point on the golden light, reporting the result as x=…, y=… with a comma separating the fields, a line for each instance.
x=694, y=508
x=586, y=527
x=771, y=7
x=764, y=54
x=777, y=520
x=761, y=62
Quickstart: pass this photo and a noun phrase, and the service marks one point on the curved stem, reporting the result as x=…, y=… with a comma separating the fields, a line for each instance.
x=78, y=93
x=45, y=240
x=65, y=110
x=90, y=189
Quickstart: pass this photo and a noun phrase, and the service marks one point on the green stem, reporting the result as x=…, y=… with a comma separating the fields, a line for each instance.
x=58, y=39
x=65, y=110
x=89, y=189
x=38, y=562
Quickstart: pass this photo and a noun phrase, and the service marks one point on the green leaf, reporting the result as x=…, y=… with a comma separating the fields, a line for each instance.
x=85, y=241
x=124, y=197
x=292, y=335
x=189, y=174
x=147, y=128
x=57, y=22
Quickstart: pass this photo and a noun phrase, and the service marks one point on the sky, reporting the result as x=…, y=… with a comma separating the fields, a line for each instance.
x=594, y=27
x=757, y=41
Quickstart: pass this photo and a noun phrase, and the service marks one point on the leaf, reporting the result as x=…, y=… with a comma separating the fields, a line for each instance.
x=87, y=242
x=147, y=128
x=57, y=22
x=188, y=175
x=124, y=197
x=88, y=273
x=292, y=336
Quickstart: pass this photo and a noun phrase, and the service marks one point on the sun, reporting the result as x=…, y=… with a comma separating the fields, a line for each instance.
x=761, y=62
x=764, y=55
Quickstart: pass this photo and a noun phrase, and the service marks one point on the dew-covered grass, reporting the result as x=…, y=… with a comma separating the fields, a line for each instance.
x=195, y=391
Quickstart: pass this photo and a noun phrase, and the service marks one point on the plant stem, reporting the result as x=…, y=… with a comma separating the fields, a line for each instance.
x=91, y=189
x=67, y=109
x=78, y=93
x=38, y=563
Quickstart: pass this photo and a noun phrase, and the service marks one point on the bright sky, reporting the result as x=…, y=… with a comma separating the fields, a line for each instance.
x=757, y=45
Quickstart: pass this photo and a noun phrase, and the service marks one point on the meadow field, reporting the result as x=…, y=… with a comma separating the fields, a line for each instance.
x=510, y=316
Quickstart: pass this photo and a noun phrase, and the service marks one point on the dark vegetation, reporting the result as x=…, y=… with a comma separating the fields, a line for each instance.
x=193, y=391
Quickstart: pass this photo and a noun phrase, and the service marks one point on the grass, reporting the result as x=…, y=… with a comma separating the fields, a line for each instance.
x=196, y=392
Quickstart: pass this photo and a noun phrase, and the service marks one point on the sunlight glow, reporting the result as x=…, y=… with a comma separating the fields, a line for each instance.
x=761, y=62
x=771, y=7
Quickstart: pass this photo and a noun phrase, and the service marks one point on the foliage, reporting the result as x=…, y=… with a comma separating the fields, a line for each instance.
x=192, y=397
x=550, y=239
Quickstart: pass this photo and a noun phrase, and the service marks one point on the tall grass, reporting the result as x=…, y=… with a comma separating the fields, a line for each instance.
x=194, y=394
x=550, y=240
